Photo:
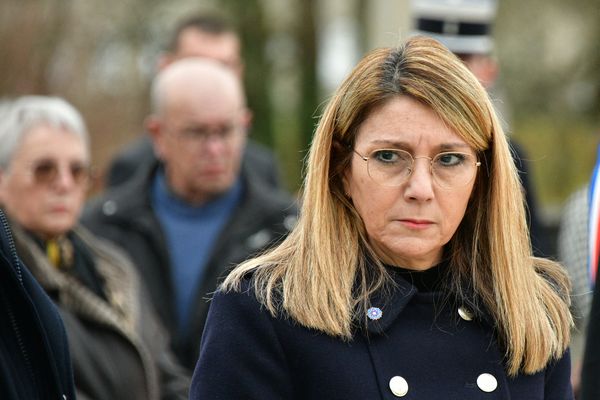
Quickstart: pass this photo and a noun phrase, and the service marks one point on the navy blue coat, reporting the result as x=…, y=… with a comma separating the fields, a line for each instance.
x=34, y=355
x=433, y=352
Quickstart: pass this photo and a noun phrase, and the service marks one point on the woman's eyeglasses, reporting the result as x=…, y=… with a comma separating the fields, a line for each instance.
x=47, y=171
x=393, y=167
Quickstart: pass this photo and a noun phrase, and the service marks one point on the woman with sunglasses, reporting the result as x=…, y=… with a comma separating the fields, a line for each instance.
x=410, y=271
x=118, y=349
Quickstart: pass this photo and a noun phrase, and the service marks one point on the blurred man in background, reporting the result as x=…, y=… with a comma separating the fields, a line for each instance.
x=207, y=36
x=198, y=209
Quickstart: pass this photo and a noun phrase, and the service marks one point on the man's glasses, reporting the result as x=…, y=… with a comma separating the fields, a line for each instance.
x=393, y=167
x=201, y=135
x=47, y=172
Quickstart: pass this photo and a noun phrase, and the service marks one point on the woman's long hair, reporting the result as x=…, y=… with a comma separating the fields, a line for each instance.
x=319, y=274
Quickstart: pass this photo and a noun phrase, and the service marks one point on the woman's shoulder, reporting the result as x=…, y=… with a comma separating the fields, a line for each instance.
x=248, y=294
x=239, y=309
x=242, y=292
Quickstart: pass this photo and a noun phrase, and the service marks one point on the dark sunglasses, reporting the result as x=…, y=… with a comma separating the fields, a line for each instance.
x=47, y=171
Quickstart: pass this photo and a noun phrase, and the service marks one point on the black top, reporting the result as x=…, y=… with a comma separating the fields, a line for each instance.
x=429, y=280
x=34, y=355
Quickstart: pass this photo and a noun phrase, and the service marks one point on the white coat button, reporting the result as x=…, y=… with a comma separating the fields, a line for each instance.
x=465, y=313
x=487, y=383
x=399, y=386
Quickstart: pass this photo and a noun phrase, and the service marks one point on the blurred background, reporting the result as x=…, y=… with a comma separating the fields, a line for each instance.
x=100, y=55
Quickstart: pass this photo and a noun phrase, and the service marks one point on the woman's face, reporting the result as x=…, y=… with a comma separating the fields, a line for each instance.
x=409, y=224
x=43, y=188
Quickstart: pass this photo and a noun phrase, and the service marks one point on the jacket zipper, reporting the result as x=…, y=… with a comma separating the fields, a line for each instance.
x=11, y=315
x=11, y=245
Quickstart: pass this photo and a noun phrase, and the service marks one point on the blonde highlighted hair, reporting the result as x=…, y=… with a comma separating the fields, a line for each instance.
x=319, y=274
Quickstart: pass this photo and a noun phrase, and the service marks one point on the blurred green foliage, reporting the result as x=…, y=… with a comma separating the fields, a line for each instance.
x=561, y=153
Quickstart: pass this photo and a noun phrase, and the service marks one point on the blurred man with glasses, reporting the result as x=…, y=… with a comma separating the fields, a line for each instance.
x=200, y=210
x=207, y=36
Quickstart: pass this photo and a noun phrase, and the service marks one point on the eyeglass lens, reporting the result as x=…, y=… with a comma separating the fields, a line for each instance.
x=203, y=134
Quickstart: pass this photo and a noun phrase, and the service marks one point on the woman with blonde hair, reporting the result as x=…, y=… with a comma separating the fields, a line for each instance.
x=410, y=272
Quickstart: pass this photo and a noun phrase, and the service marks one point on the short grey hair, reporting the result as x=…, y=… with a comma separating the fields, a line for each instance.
x=18, y=117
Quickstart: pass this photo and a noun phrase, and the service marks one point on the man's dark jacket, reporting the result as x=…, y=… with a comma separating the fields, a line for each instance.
x=125, y=216
x=34, y=354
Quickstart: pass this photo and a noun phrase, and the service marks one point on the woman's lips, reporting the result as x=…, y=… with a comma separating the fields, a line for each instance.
x=416, y=223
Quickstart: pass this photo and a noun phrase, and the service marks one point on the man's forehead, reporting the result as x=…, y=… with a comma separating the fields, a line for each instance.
x=196, y=107
x=181, y=113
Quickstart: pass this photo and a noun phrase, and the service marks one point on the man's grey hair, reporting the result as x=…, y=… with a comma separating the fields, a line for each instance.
x=18, y=117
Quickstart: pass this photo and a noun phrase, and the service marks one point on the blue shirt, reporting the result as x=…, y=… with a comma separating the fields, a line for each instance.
x=191, y=233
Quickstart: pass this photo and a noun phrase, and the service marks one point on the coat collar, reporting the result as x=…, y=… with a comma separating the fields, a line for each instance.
x=387, y=303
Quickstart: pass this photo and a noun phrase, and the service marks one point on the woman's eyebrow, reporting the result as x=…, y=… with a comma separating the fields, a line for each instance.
x=390, y=143
x=454, y=145
x=404, y=144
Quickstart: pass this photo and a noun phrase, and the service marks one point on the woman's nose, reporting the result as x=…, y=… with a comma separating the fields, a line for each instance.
x=420, y=182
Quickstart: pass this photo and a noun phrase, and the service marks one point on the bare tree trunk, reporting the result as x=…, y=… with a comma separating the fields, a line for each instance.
x=307, y=39
x=253, y=32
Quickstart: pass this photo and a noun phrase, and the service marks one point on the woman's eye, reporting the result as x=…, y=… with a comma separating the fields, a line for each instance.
x=450, y=159
x=387, y=156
